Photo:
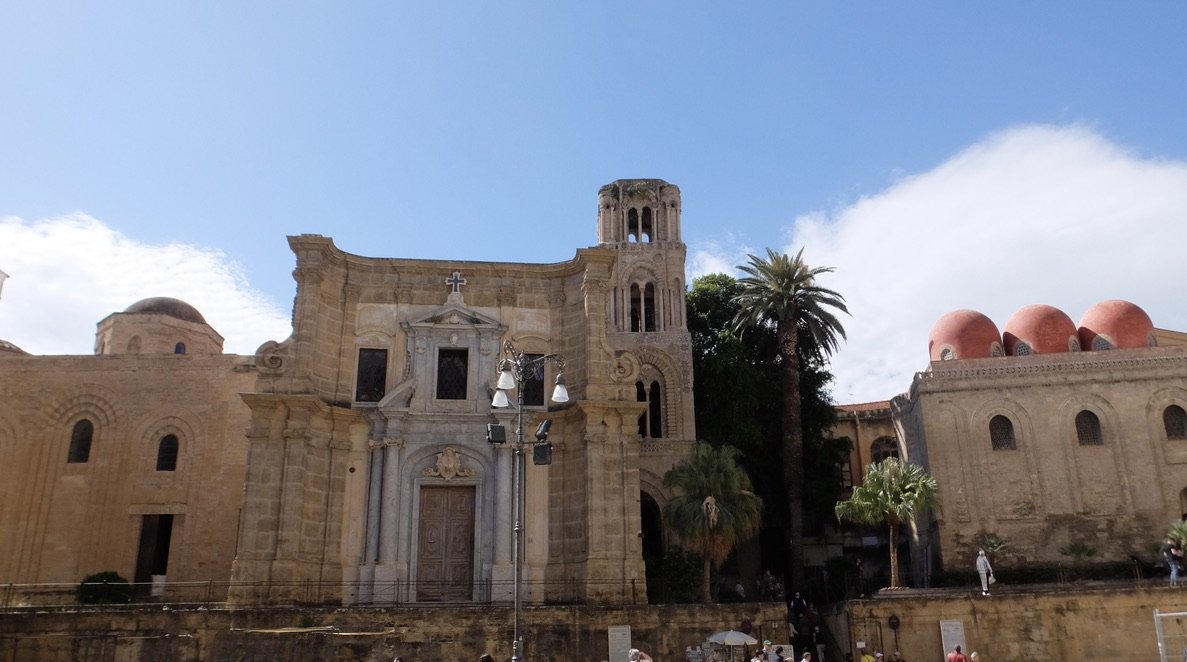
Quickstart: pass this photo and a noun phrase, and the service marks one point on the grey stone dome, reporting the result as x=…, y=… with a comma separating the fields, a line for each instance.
x=167, y=306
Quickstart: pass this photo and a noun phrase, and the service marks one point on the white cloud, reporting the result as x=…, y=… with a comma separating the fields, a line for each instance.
x=1035, y=214
x=67, y=273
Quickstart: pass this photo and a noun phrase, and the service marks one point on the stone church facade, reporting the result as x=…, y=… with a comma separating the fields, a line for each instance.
x=370, y=478
x=1050, y=434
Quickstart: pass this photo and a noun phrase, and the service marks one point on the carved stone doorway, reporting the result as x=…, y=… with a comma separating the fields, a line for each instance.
x=446, y=549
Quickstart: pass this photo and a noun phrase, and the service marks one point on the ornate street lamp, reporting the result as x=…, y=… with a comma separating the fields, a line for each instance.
x=514, y=369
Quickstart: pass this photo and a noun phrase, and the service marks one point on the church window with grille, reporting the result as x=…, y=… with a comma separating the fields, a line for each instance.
x=167, y=453
x=80, y=442
x=1001, y=434
x=651, y=421
x=1088, y=429
x=452, y=365
x=882, y=448
x=371, y=380
x=1174, y=419
x=1021, y=349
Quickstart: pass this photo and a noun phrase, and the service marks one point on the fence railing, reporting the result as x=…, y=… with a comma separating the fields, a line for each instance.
x=309, y=592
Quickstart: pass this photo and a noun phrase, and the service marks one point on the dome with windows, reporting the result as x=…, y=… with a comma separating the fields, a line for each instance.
x=1040, y=329
x=167, y=306
x=964, y=334
x=1116, y=324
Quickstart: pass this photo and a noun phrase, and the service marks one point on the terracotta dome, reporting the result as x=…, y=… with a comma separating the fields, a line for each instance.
x=1040, y=329
x=1116, y=324
x=167, y=306
x=964, y=334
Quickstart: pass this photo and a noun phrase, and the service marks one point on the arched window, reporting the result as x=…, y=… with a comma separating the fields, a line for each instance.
x=636, y=308
x=651, y=420
x=179, y=348
x=882, y=448
x=1174, y=419
x=167, y=453
x=947, y=354
x=649, y=307
x=1088, y=429
x=646, y=228
x=80, y=442
x=1001, y=433
x=1101, y=343
x=632, y=225
x=1021, y=349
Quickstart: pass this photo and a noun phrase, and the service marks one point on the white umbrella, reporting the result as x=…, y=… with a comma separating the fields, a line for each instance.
x=733, y=638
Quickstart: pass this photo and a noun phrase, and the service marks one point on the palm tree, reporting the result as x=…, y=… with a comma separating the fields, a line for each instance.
x=892, y=492
x=781, y=292
x=713, y=509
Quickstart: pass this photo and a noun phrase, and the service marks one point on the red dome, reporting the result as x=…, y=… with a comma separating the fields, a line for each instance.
x=1116, y=324
x=964, y=334
x=1040, y=329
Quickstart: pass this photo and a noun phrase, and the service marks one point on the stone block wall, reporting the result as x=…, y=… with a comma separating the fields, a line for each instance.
x=372, y=635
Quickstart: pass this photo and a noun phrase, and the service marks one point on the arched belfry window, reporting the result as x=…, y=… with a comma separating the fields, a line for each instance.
x=647, y=227
x=632, y=225
x=643, y=312
x=167, y=453
x=1088, y=429
x=1174, y=419
x=651, y=420
x=80, y=442
x=882, y=448
x=1001, y=433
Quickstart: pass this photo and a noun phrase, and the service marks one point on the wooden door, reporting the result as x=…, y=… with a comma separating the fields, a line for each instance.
x=446, y=549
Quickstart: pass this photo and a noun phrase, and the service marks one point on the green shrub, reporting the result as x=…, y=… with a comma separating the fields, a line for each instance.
x=104, y=588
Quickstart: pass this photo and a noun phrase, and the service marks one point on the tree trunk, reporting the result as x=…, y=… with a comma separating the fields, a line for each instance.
x=793, y=449
x=894, y=578
x=706, y=588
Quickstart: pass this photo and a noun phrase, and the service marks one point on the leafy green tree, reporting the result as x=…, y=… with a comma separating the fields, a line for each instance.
x=892, y=492
x=782, y=293
x=713, y=508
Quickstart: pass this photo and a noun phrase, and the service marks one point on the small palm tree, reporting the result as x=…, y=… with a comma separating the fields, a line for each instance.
x=714, y=509
x=892, y=492
x=1178, y=533
x=781, y=292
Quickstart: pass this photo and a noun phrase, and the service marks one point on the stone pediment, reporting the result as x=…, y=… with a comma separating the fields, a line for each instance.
x=454, y=315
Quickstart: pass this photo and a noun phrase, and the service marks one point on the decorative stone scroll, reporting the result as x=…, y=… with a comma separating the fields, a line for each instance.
x=449, y=466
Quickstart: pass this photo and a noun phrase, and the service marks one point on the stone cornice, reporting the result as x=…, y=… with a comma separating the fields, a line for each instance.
x=1081, y=366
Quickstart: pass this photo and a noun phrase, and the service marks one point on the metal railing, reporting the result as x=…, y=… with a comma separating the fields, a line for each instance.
x=314, y=593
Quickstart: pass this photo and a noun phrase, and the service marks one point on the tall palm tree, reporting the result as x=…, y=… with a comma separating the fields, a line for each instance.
x=892, y=492
x=713, y=509
x=782, y=292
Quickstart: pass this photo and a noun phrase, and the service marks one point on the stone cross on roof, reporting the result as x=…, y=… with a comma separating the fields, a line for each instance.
x=455, y=281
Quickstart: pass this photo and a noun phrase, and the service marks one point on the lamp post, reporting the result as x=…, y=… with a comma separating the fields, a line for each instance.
x=514, y=369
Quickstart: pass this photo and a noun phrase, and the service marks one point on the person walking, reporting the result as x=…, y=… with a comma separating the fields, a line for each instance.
x=636, y=655
x=1172, y=553
x=985, y=570
x=956, y=655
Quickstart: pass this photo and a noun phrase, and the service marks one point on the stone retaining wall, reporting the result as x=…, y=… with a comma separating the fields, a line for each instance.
x=198, y=634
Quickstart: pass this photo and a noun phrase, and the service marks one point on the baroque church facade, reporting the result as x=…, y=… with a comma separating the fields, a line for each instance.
x=369, y=473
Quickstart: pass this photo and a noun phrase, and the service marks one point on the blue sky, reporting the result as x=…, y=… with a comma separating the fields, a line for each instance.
x=168, y=149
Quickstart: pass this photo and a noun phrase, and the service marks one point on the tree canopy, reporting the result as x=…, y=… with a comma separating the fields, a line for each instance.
x=713, y=508
x=892, y=492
